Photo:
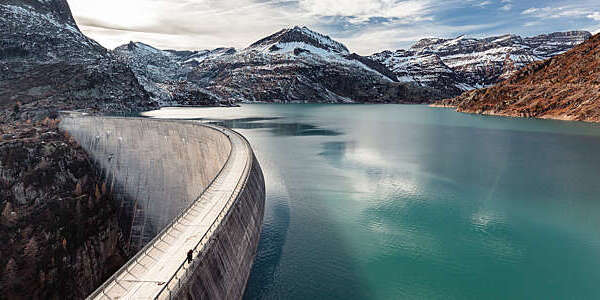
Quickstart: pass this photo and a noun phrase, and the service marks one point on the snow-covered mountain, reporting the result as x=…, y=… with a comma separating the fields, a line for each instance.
x=293, y=65
x=453, y=66
x=47, y=64
x=164, y=74
x=300, y=65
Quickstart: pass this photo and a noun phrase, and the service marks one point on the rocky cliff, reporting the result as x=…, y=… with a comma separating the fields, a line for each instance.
x=453, y=66
x=47, y=64
x=564, y=87
x=59, y=235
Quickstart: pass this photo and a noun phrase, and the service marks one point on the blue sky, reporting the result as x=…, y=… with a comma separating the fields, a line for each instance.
x=365, y=26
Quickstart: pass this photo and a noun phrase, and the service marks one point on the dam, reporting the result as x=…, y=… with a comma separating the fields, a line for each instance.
x=180, y=187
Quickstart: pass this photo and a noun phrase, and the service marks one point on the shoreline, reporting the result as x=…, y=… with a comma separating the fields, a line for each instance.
x=508, y=115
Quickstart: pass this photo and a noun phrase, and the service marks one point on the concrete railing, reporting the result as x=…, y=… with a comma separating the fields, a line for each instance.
x=172, y=286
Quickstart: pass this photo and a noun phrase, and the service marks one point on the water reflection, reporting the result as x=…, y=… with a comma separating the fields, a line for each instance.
x=277, y=128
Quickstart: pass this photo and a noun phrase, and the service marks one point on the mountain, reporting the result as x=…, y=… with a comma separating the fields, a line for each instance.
x=48, y=64
x=564, y=87
x=300, y=65
x=163, y=74
x=453, y=66
x=292, y=65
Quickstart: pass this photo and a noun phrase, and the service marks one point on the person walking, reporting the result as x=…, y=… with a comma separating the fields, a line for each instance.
x=189, y=256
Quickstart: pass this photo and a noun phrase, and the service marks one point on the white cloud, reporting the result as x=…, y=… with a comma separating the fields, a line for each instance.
x=363, y=10
x=556, y=12
x=484, y=3
x=201, y=24
x=594, y=16
x=529, y=11
x=365, y=26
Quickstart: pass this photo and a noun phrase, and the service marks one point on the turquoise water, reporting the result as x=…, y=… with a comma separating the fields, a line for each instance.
x=412, y=202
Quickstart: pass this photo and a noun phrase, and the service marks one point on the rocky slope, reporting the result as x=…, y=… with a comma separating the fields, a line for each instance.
x=59, y=235
x=292, y=65
x=47, y=64
x=300, y=65
x=564, y=87
x=453, y=66
x=164, y=74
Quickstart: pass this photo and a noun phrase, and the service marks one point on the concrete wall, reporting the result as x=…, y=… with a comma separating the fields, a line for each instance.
x=154, y=168
x=226, y=263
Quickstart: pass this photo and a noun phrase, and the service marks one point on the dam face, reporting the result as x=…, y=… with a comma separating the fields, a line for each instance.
x=155, y=168
x=179, y=186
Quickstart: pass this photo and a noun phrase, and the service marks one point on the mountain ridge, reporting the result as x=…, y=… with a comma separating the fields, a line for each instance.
x=433, y=67
x=292, y=65
x=456, y=65
x=565, y=87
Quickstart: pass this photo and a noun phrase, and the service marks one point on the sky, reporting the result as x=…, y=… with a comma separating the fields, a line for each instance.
x=364, y=26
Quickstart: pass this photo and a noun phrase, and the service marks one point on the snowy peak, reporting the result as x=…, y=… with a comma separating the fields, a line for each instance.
x=298, y=39
x=138, y=47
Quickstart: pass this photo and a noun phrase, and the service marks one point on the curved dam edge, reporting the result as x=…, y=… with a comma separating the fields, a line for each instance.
x=221, y=224
x=222, y=272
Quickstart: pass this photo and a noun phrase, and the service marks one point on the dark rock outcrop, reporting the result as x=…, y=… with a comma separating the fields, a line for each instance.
x=47, y=64
x=565, y=87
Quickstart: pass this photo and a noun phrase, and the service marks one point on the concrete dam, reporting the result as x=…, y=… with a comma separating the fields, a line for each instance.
x=180, y=186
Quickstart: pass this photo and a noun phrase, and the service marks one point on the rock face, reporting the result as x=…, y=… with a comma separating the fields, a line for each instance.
x=47, y=64
x=453, y=66
x=292, y=65
x=59, y=235
x=564, y=87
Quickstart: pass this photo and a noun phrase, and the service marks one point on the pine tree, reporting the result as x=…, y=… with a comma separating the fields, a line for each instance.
x=32, y=249
x=98, y=194
x=10, y=275
x=78, y=190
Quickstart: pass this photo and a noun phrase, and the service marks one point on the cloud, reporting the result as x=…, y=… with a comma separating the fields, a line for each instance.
x=594, y=16
x=484, y=3
x=555, y=12
x=362, y=11
x=365, y=26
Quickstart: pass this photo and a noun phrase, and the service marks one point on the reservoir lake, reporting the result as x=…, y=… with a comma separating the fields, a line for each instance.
x=414, y=202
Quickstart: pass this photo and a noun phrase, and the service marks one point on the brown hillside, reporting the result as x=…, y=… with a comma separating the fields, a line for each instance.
x=565, y=87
